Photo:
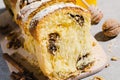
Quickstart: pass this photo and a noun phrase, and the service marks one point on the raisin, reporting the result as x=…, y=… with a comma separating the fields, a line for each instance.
x=19, y=17
x=78, y=18
x=52, y=41
x=83, y=57
x=79, y=58
x=9, y=45
x=72, y=15
x=83, y=64
x=81, y=21
x=23, y=3
x=77, y=15
x=17, y=44
x=52, y=48
x=14, y=44
x=54, y=36
x=34, y=23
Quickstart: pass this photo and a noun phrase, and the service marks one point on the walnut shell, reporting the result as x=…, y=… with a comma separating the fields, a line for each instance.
x=96, y=14
x=111, y=28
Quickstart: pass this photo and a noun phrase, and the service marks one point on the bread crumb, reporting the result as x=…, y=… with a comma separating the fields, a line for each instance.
x=94, y=44
x=114, y=59
x=107, y=65
x=98, y=78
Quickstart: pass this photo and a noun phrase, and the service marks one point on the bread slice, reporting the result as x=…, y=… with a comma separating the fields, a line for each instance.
x=62, y=40
x=59, y=36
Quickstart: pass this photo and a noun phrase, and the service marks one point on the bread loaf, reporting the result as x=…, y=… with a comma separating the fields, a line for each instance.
x=57, y=32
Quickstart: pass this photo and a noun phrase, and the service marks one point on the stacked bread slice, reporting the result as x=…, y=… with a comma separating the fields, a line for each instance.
x=57, y=33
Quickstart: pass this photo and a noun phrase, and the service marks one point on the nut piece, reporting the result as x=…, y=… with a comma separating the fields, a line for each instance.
x=114, y=59
x=107, y=65
x=111, y=28
x=96, y=14
x=98, y=78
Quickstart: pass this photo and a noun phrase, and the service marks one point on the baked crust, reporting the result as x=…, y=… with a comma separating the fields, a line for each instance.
x=35, y=30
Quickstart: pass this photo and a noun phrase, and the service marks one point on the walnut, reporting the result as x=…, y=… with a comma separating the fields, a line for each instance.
x=111, y=28
x=96, y=13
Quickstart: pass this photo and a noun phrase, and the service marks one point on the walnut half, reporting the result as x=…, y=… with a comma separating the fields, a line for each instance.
x=111, y=28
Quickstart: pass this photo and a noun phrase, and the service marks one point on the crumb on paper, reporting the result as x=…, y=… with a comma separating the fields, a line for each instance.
x=94, y=44
x=107, y=65
x=110, y=45
x=98, y=78
x=114, y=59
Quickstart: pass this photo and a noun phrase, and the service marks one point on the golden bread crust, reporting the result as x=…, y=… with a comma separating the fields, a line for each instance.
x=35, y=30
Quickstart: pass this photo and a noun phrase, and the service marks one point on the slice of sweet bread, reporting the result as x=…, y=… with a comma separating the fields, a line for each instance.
x=59, y=36
x=63, y=43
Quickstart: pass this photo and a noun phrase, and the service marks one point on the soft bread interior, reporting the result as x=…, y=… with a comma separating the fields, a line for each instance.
x=62, y=41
